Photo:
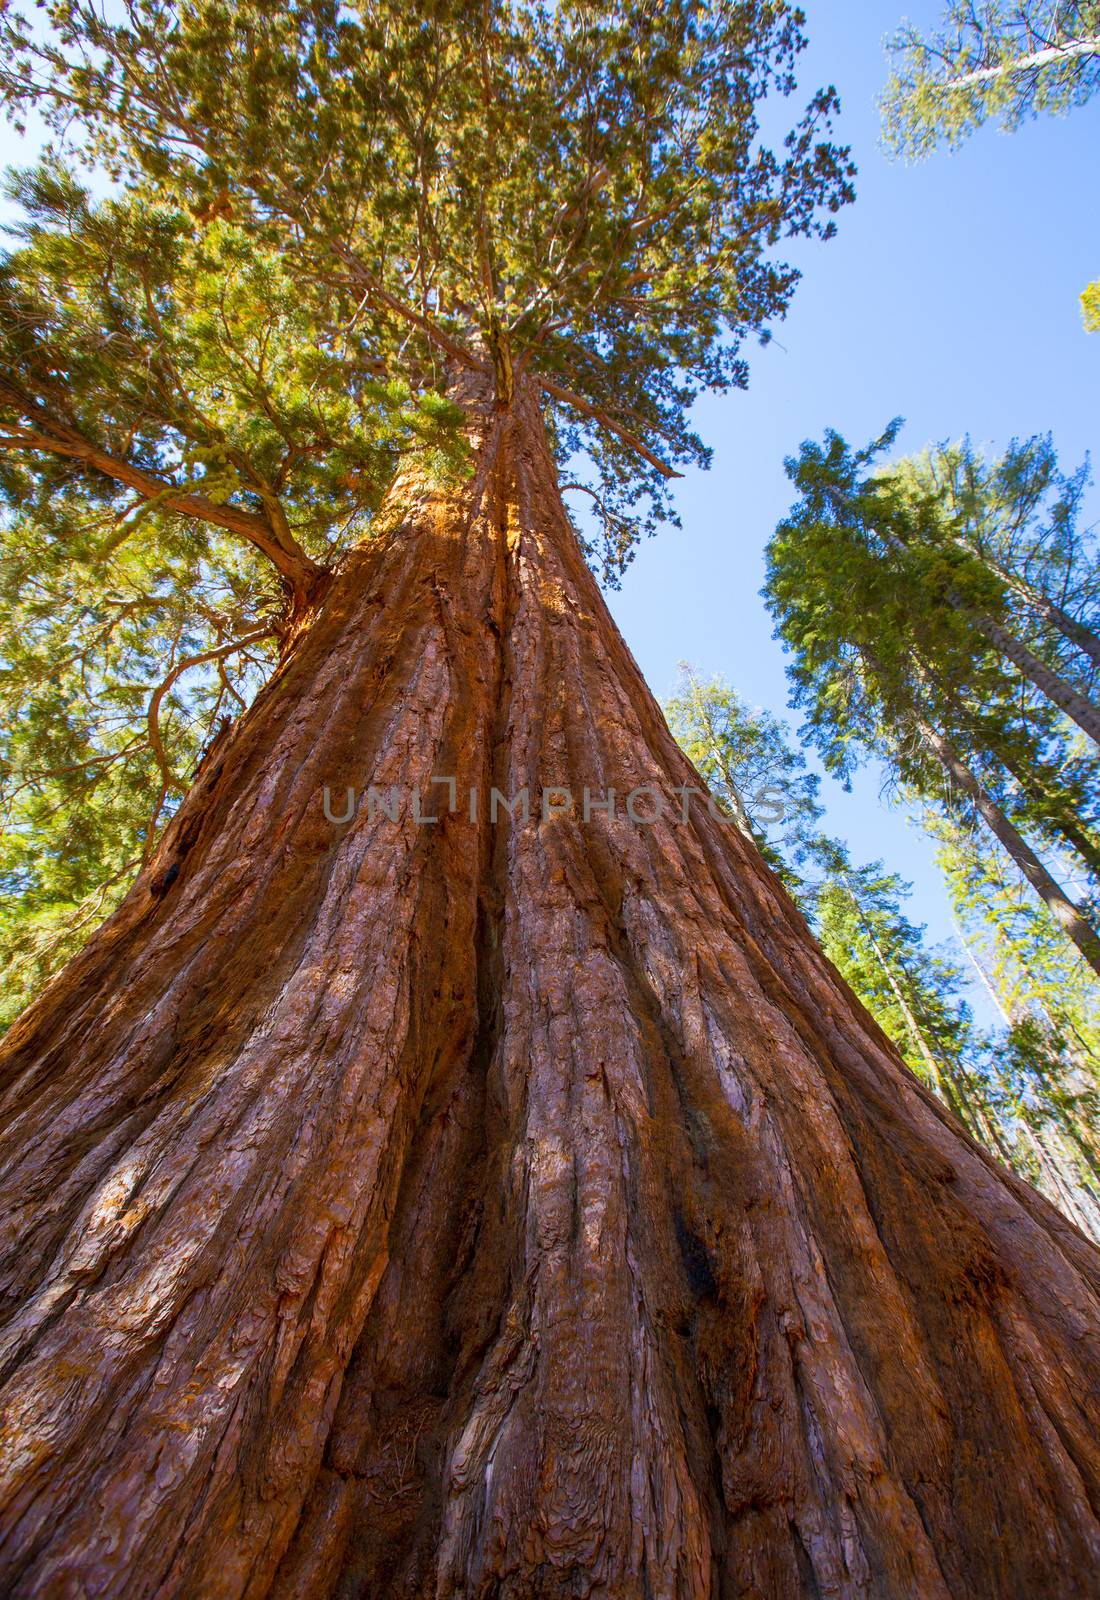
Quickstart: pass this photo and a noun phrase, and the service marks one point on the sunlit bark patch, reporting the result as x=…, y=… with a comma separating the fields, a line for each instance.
x=491, y=1207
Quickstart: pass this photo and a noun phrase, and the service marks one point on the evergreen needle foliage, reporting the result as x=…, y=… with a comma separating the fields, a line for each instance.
x=321, y=219
x=941, y=617
x=997, y=60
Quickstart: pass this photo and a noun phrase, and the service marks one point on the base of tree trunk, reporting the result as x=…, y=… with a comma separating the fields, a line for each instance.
x=510, y=1208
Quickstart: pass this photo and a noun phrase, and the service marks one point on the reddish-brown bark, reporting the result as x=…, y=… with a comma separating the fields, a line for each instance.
x=515, y=1210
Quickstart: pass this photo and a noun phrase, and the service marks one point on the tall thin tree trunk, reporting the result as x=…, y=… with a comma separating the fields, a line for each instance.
x=1036, y=783
x=1075, y=1130
x=1066, y=1189
x=936, y=1076
x=1060, y=693
x=515, y=1208
x=1074, y=632
x=1065, y=913
x=1061, y=820
x=732, y=793
x=952, y=1082
x=1056, y=1019
x=1051, y=55
x=1082, y=1141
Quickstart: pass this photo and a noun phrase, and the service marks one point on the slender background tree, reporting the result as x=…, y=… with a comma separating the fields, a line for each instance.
x=998, y=60
x=910, y=643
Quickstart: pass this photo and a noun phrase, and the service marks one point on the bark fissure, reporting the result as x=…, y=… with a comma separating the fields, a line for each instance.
x=518, y=1210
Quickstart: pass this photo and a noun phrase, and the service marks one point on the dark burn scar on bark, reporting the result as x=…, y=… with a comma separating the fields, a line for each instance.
x=164, y=881
x=693, y=1252
x=160, y=885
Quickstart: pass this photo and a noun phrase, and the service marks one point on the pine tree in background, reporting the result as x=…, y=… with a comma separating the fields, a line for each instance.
x=1051, y=1009
x=908, y=646
x=1001, y=61
x=1056, y=1114
x=1021, y=951
x=751, y=768
x=914, y=993
x=1019, y=516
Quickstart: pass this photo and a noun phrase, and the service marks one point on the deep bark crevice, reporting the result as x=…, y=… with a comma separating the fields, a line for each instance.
x=506, y=1210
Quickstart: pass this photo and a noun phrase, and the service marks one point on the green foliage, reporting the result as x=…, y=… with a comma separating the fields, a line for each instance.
x=1049, y=1065
x=1019, y=515
x=186, y=349
x=1000, y=60
x=193, y=349
x=90, y=633
x=579, y=192
x=1054, y=1091
x=320, y=221
x=914, y=992
x=884, y=584
x=750, y=767
x=1024, y=956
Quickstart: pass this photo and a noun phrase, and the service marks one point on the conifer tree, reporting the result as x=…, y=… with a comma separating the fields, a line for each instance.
x=1020, y=952
x=1019, y=515
x=751, y=767
x=449, y=1194
x=899, y=639
x=1048, y=999
x=1001, y=60
x=915, y=994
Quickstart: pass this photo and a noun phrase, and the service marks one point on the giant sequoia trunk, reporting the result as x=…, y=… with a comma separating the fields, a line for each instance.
x=514, y=1208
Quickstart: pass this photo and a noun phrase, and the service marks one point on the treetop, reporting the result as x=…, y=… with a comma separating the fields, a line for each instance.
x=577, y=192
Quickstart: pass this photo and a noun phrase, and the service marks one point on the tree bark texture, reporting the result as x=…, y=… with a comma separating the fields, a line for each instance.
x=470, y=1209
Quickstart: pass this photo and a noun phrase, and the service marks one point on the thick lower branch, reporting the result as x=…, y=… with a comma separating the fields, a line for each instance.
x=52, y=436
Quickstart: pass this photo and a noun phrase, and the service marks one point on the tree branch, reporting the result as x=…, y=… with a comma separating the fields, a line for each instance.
x=568, y=398
x=168, y=780
x=379, y=296
x=1040, y=58
x=50, y=434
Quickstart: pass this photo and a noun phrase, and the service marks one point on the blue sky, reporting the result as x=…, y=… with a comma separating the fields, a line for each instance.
x=949, y=297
